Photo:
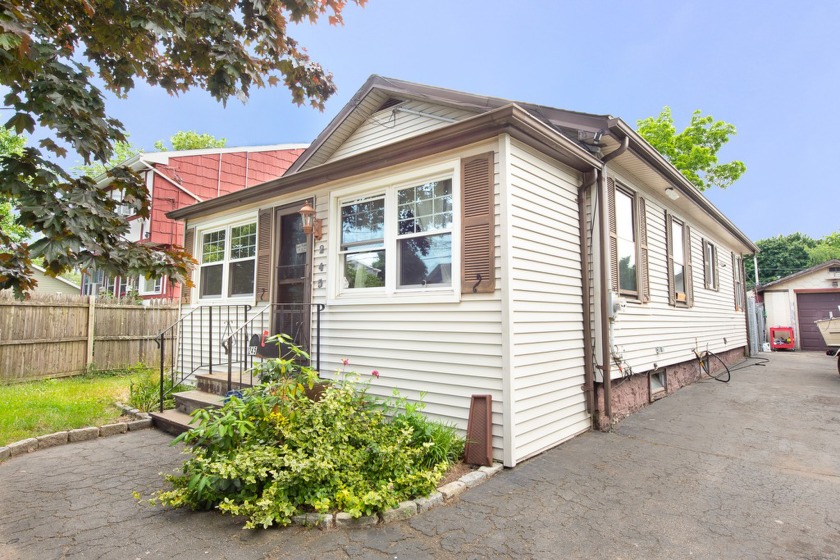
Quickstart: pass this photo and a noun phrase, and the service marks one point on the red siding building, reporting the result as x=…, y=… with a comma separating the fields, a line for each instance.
x=181, y=178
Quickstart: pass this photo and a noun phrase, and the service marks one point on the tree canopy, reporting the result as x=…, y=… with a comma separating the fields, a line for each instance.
x=784, y=255
x=11, y=143
x=694, y=150
x=191, y=140
x=51, y=51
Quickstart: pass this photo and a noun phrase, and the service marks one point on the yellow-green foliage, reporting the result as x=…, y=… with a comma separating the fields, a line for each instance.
x=276, y=453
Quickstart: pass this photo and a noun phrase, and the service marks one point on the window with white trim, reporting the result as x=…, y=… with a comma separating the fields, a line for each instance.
x=626, y=227
x=149, y=286
x=228, y=261
x=678, y=260
x=710, y=265
x=398, y=238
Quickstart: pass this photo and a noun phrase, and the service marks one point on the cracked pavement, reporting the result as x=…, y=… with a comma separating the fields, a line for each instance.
x=749, y=469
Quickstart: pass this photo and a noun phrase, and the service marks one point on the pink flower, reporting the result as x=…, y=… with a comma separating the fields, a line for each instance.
x=375, y=374
x=345, y=361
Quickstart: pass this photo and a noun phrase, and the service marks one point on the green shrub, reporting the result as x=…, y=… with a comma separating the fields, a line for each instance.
x=276, y=453
x=144, y=392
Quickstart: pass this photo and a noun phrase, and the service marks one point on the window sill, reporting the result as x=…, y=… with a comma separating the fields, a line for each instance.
x=402, y=297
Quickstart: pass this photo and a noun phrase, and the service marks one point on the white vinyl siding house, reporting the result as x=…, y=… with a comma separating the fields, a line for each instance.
x=460, y=255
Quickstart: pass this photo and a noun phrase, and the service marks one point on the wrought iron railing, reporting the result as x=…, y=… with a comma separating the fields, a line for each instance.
x=249, y=342
x=219, y=337
x=194, y=343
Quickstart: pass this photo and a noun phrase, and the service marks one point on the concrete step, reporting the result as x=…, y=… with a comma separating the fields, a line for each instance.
x=217, y=382
x=189, y=401
x=171, y=421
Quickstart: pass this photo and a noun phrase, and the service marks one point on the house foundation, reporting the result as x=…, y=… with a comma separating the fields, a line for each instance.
x=631, y=394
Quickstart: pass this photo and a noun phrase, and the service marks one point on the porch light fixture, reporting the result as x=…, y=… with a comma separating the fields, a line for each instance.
x=670, y=192
x=311, y=224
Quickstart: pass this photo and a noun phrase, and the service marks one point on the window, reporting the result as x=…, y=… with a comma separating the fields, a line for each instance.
x=678, y=248
x=626, y=231
x=710, y=265
x=738, y=280
x=628, y=242
x=149, y=286
x=228, y=261
x=400, y=237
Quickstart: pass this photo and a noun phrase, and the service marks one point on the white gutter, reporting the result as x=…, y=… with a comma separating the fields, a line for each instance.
x=170, y=180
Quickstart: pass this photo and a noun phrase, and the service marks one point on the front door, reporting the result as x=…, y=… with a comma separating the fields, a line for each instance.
x=291, y=309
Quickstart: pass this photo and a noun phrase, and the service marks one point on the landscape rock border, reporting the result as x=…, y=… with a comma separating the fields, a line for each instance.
x=444, y=495
x=139, y=421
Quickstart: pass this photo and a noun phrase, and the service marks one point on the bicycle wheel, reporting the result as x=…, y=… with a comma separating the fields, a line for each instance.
x=711, y=362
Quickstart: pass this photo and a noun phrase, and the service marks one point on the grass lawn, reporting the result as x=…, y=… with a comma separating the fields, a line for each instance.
x=37, y=408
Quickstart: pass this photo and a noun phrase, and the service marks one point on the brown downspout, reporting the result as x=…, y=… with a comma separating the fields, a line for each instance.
x=588, y=359
x=606, y=358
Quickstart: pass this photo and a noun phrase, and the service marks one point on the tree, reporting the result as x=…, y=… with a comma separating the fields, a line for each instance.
x=826, y=249
x=780, y=256
x=11, y=143
x=694, y=150
x=122, y=152
x=190, y=140
x=51, y=50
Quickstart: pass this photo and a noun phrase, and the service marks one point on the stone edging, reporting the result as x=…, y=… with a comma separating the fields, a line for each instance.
x=445, y=494
x=140, y=421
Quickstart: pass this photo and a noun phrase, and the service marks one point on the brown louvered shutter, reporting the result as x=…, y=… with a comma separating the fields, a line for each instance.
x=189, y=247
x=478, y=225
x=706, y=263
x=263, y=284
x=644, y=276
x=669, y=257
x=689, y=269
x=613, y=235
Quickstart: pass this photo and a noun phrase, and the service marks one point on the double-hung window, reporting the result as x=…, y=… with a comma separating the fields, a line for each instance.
x=228, y=261
x=738, y=281
x=149, y=286
x=397, y=238
x=710, y=265
x=625, y=220
x=628, y=242
x=678, y=247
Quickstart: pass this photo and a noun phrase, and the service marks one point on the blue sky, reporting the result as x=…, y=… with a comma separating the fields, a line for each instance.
x=770, y=68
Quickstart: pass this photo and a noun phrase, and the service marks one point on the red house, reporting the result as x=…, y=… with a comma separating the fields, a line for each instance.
x=181, y=178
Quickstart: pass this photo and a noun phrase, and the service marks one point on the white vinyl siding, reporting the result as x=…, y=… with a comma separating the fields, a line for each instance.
x=547, y=361
x=642, y=328
x=447, y=350
x=392, y=124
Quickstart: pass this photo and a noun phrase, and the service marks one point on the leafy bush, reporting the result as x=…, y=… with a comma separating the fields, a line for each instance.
x=144, y=393
x=277, y=453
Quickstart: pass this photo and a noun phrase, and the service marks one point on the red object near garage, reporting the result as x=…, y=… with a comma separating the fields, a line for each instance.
x=781, y=338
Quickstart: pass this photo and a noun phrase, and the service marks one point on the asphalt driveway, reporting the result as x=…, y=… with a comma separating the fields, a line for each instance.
x=749, y=469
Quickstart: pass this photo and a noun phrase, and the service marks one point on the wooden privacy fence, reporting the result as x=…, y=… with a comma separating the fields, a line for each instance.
x=62, y=337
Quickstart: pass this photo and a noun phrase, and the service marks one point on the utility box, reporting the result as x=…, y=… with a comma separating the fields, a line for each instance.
x=781, y=338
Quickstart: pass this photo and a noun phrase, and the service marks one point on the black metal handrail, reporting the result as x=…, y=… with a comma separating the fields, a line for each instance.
x=248, y=343
x=192, y=342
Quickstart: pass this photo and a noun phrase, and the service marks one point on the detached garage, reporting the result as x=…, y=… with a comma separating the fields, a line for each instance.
x=802, y=298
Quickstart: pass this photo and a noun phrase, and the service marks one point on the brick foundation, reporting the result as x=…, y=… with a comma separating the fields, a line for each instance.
x=633, y=393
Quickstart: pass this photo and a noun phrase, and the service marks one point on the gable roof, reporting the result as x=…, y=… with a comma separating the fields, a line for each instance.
x=568, y=136
x=379, y=92
x=801, y=273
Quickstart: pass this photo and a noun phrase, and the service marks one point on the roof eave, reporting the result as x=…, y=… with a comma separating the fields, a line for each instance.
x=510, y=119
x=640, y=147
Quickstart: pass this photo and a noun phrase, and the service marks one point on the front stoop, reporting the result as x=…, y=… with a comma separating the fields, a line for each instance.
x=209, y=392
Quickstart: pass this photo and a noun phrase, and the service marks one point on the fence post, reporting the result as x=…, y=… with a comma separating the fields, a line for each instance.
x=90, y=330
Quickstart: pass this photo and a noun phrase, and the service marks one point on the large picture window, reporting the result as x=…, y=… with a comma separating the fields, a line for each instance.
x=398, y=238
x=228, y=261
